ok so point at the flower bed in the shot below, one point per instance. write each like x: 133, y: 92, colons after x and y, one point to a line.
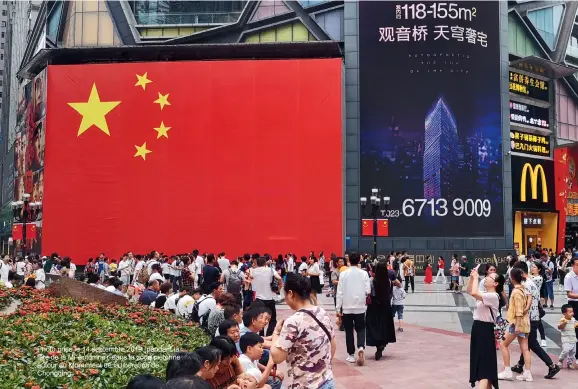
x: 60, y: 343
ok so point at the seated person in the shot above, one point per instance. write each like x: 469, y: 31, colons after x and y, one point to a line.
x: 183, y: 364
x: 252, y: 348
x: 229, y: 367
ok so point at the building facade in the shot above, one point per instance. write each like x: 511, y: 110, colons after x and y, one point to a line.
x: 455, y: 155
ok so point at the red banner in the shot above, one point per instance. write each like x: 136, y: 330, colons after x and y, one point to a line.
x: 382, y: 227
x: 30, y: 231
x: 16, y: 232
x: 367, y: 227
x: 566, y: 187
x: 173, y: 156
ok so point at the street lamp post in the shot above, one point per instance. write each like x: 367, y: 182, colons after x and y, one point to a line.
x: 376, y: 204
x: 25, y: 212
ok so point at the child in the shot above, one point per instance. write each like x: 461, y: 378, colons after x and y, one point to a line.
x: 248, y: 380
x: 397, y: 303
x: 252, y: 349
x: 566, y: 327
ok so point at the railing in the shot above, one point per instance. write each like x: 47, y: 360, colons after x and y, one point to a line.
x: 187, y: 18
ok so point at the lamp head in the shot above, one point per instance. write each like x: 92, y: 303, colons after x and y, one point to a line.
x: 386, y: 200
x: 363, y: 200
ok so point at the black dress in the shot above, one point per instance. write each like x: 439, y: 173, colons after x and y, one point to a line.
x: 379, y: 326
x: 483, y: 359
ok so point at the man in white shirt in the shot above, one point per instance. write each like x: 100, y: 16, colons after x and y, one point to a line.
x: 187, y: 302
x: 261, y: 278
x: 352, y: 291
x: 223, y: 262
x: 290, y: 263
x: 40, y: 276
x: 154, y: 259
x: 199, y: 263
x: 177, y: 267
x: 139, y: 265
x: 5, y: 269
x: 209, y: 302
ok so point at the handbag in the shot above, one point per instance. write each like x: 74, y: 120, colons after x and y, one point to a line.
x: 541, y: 310
x: 500, y: 325
x: 274, y: 283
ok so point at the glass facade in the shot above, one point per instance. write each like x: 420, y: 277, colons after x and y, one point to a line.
x: 154, y: 12
x: 89, y: 24
x: 547, y: 22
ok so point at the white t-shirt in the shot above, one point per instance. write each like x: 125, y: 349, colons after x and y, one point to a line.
x: 185, y: 306
x: 199, y: 263
x: 314, y: 269
x: 247, y: 364
x: 150, y: 266
x: 4, y: 271
x: 72, y: 270
x: 303, y: 267
x: 157, y: 276
x: 261, y: 282
x: 177, y: 264
x: 207, y: 304
x: 224, y: 263
x: 20, y: 268
x: 110, y: 288
x: 171, y: 302
x: 138, y: 268
x: 166, y: 268
x: 290, y: 265
x: 40, y: 279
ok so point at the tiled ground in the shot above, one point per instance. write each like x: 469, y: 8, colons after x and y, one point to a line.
x: 433, y: 352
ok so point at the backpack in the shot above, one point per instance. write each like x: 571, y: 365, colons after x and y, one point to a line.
x: 555, y: 272
x: 143, y: 275
x: 195, y: 314
x: 235, y: 283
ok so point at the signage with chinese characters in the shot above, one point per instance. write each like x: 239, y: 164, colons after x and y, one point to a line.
x: 531, y: 144
x: 529, y: 220
x: 528, y: 86
x: 427, y: 52
x: 533, y: 184
x: 529, y: 115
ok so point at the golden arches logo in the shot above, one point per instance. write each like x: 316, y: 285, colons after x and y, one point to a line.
x: 534, y: 171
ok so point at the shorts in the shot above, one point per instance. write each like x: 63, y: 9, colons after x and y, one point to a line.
x: 399, y: 310
x: 512, y: 331
x: 125, y: 279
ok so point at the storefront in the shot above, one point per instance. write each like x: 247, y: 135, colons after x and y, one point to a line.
x: 533, y: 202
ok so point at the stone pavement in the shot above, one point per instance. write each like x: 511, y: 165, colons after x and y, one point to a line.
x: 433, y: 350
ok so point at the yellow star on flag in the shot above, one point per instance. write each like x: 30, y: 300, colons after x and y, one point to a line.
x: 142, y: 151
x: 94, y: 112
x: 163, y: 100
x: 142, y: 81
x: 162, y: 130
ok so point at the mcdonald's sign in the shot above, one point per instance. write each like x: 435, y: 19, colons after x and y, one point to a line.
x: 534, y: 171
x: 533, y: 184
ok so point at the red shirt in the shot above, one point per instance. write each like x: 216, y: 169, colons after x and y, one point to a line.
x: 441, y: 264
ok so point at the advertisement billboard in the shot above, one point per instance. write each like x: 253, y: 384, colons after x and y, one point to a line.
x: 530, y: 144
x: 430, y: 116
x: 528, y: 86
x: 529, y: 115
x: 533, y: 184
x: 231, y: 167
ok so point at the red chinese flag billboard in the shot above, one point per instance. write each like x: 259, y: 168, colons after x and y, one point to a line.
x: 216, y: 155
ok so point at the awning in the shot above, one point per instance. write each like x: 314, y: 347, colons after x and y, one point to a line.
x: 542, y: 67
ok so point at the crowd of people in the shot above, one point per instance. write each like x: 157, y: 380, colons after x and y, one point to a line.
x: 234, y: 301
x: 530, y: 288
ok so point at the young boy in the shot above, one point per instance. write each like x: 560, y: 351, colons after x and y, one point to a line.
x: 397, y: 303
x: 567, y: 329
x: 252, y: 349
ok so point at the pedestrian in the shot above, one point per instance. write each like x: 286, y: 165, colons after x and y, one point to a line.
x: 519, y: 328
x: 262, y: 279
x: 550, y: 268
x: 441, y: 265
x: 464, y: 271
x: 352, y: 291
x: 408, y: 273
x: 305, y: 339
x: 483, y: 359
x: 571, y: 288
x: 428, y: 271
x: 398, y: 303
x: 314, y: 274
x: 533, y: 293
x: 380, y: 329
x: 568, y: 325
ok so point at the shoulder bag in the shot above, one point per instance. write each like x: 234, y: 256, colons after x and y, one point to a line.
x: 318, y: 322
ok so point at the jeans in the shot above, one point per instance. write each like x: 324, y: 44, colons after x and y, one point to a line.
x: 357, y: 321
x: 271, y: 305
x: 408, y: 280
x: 275, y: 383
x: 247, y: 298
x: 534, y: 345
x: 541, y: 330
x: 327, y: 385
x: 550, y: 289
x: 176, y: 281
x: 440, y: 273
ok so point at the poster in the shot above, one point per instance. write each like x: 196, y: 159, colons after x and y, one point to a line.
x: 430, y: 116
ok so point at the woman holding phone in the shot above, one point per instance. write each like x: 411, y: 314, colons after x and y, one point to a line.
x: 483, y: 359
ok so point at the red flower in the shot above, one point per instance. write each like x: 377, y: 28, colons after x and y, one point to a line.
x: 93, y: 371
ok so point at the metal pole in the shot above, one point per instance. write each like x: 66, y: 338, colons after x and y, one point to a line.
x: 374, y: 211
x: 24, y: 217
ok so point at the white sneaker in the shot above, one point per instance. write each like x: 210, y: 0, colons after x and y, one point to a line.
x: 350, y: 359
x: 360, y: 356
x: 543, y: 343
x: 506, y: 375
x: 527, y: 376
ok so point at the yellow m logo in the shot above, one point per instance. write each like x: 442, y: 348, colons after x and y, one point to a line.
x: 533, y: 182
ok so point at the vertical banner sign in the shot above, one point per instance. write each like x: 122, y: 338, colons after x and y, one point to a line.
x: 431, y: 115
